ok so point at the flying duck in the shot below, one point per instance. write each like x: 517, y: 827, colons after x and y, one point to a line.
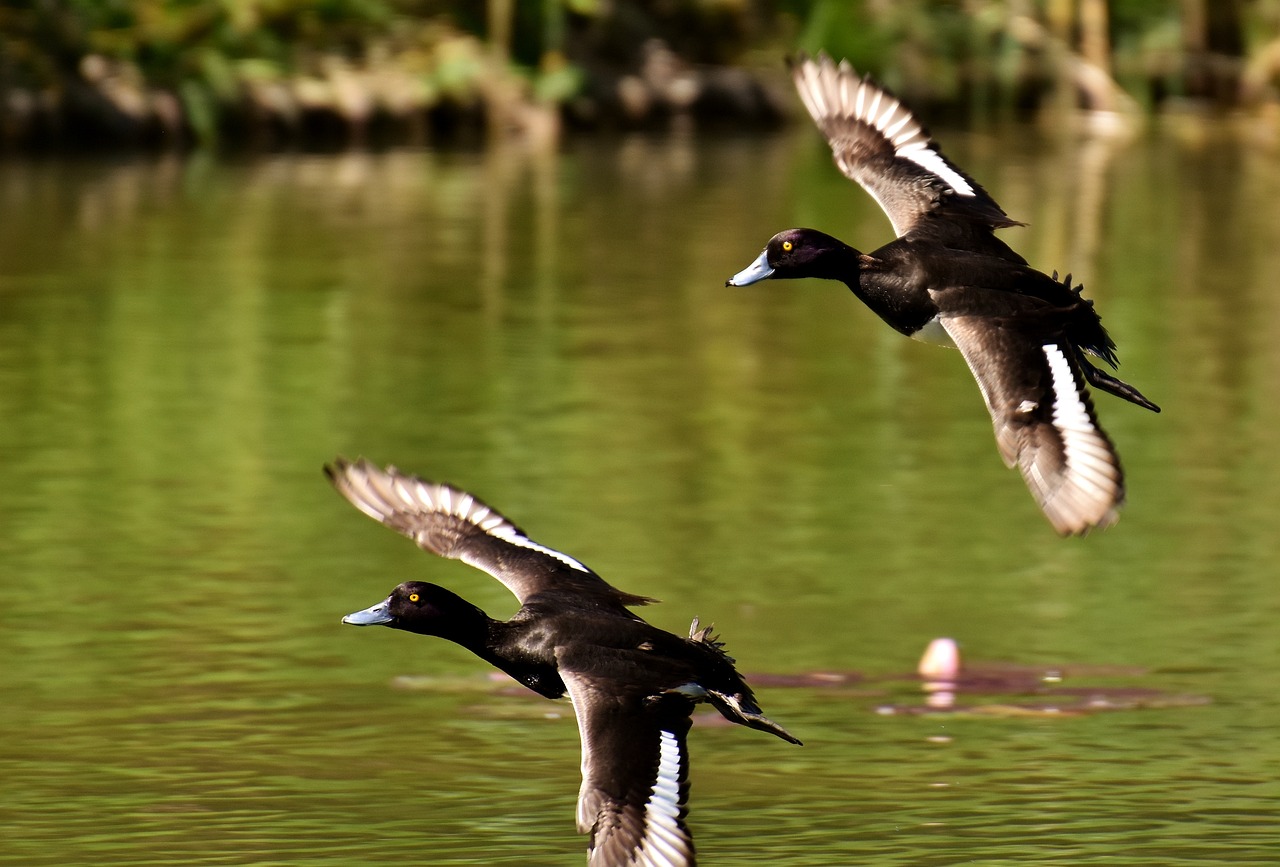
x: 633, y: 686
x: 948, y: 279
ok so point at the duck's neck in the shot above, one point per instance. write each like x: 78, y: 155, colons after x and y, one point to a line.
x: 845, y: 265
x: 893, y: 290
x: 842, y: 263
x: 502, y: 644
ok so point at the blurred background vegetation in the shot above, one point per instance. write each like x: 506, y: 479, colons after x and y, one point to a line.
x: 177, y: 73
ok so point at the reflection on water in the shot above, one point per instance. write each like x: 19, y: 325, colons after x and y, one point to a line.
x: 184, y: 343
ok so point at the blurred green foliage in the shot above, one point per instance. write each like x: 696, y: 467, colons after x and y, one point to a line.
x: 206, y: 61
x: 280, y: 58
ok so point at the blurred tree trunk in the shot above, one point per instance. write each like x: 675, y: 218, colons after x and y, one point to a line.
x: 1090, y: 67
x: 501, y: 15
x: 1095, y: 44
x: 1213, y: 41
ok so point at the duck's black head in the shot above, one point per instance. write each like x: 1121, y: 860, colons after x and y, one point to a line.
x: 800, y: 253
x: 426, y: 609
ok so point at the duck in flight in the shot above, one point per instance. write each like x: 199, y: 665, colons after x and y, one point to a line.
x: 633, y: 686
x: 1026, y: 336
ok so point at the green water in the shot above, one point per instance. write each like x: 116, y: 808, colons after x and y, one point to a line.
x: 183, y: 344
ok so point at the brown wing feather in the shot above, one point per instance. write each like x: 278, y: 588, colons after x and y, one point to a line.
x: 635, y: 774
x: 880, y: 144
x: 457, y: 525
x: 1044, y: 420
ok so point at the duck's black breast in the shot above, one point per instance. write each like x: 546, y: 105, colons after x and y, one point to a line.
x: 898, y: 296
x: 525, y: 649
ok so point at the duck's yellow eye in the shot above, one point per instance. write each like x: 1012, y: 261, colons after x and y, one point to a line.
x: 413, y: 597
x: 786, y: 246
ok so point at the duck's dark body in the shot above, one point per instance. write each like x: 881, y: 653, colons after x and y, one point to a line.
x: 900, y: 282
x: 948, y: 279
x: 521, y: 647
x: 633, y: 686
x: 530, y: 647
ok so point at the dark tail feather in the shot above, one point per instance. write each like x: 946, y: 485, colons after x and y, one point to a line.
x: 743, y: 710
x: 1111, y: 385
x: 760, y: 722
x: 734, y: 698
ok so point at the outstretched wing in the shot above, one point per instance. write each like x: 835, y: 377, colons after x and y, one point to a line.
x: 879, y: 143
x: 454, y: 524
x: 1044, y: 420
x: 635, y: 774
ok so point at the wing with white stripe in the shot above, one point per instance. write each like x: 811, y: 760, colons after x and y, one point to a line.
x: 635, y: 775
x: 454, y: 524
x: 880, y: 144
x: 1044, y: 420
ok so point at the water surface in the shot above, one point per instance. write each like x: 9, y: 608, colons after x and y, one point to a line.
x: 183, y: 343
